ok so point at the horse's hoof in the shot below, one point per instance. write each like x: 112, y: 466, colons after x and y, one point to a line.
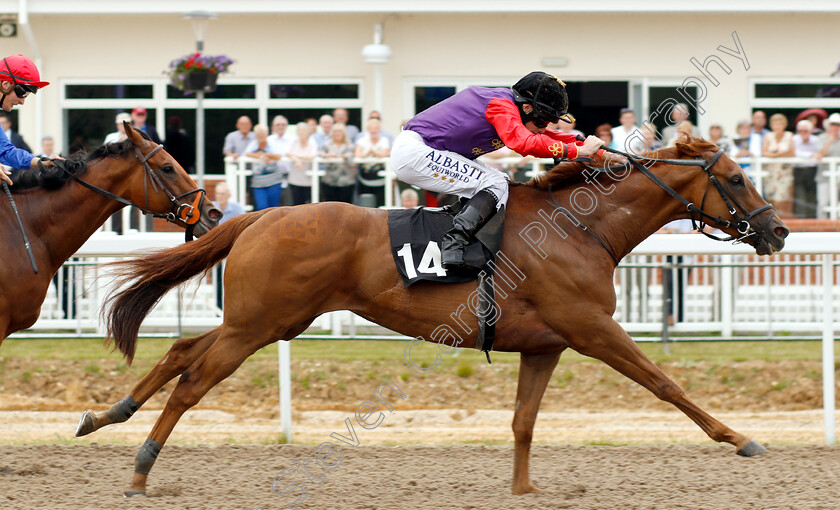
x: 751, y: 449
x: 131, y: 492
x: 85, y: 424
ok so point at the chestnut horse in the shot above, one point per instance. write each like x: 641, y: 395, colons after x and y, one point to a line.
x: 60, y: 210
x: 288, y: 265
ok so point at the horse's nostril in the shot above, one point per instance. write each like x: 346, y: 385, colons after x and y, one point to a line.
x: 781, y: 232
x: 215, y: 214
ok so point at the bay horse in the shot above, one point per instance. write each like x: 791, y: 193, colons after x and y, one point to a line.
x: 288, y: 265
x: 61, y: 208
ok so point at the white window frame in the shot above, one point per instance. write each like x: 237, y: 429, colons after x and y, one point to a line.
x: 261, y: 100
x: 794, y: 102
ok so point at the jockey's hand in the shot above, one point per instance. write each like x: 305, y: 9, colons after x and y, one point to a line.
x: 4, y: 175
x: 590, y: 146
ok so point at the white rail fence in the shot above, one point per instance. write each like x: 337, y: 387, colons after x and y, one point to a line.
x: 727, y: 289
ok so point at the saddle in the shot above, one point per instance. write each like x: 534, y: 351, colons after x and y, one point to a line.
x: 416, y: 236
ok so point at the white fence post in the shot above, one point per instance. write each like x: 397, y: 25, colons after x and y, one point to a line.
x: 828, y: 347
x: 285, y: 383
x: 727, y: 297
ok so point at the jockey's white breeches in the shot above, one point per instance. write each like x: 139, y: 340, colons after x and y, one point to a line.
x: 443, y: 171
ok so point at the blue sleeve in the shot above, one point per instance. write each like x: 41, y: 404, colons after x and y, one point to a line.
x: 11, y: 155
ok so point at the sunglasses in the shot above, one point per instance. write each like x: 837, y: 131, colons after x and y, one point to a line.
x: 24, y: 90
x: 540, y: 122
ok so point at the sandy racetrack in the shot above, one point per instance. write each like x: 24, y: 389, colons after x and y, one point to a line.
x: 579, y: 477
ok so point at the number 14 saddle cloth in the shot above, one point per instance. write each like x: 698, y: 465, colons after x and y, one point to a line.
x: 416, y: 236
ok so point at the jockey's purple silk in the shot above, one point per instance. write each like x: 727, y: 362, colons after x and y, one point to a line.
x: 459, y: 123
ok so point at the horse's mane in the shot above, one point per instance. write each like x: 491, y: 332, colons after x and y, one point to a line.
x: 570, y: 172
x: 76, y: 164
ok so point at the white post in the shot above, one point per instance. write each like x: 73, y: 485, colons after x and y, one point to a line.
x: 727, y: 301
x: 199, y: 135
x: 389, y: 183
x: 828, y: 348
x: 832, y: 190
x: 315, y: 190
x: 285, y: 383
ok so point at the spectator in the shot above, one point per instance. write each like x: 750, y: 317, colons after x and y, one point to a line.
x: 237, y: 141
x: 138, y: 119
x: 13, y: 136
x: 805, y: 145
x: 178, y: 143
x: 388, y: 136
x: 229, y: 208
x: 829, y: 142
x: 302, y: 151
x: 119, y: 134
x: 717, y: 137
x: 341, y: 116
x: 741, y: 146
x: 268, y: 177
x: 652, y: 142
x: 816, y: 116
x: 778, y: 187
x: 604, y: 132
x: 679, y: 114
x: 340, y: 179
x: 409, y: 198
x: 620, y: 133
x: 313, y: 124
x: 674, y: 280
x: 758, y: 132
x: 325, y: 125
x: 48, y: 148
x: 372, y: 145
x: 280, y: 131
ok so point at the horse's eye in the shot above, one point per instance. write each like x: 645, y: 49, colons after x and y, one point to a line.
x: 736, y: 180
x: 168, y: 169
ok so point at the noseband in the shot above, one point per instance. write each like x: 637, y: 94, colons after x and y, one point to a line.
x: 186, y: 212
x: 739, y: 213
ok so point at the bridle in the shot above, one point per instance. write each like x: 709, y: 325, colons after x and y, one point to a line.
x: 739, y: 213
x: 186, y: 212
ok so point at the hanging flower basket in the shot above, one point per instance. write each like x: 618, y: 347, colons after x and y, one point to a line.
x: 200, y: 81
x: 196, y: 72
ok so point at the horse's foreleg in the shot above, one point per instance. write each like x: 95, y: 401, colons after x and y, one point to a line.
x: 181, y: 355
x: 534, y: 373
x: 612, y: 345
x: 219, y: 361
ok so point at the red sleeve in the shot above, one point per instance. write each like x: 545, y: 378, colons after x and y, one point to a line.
x: 504, y: 116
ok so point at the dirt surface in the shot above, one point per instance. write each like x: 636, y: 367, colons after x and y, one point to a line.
x: 758, y: 386
x: 462, y: 477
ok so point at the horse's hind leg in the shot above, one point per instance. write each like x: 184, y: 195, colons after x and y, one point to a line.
x: 218, y: 362
x: 608, y: 342
x: 181, y: 355
x: 534, y: 373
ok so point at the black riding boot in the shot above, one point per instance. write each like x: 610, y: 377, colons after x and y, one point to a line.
x: 472, y: 217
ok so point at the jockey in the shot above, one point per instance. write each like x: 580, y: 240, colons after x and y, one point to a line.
x: 18, y: 78
x: 437, y: 149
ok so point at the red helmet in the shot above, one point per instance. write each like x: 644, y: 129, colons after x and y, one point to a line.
x: 21, y: 70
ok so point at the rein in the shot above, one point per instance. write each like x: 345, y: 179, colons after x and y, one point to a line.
x: 188, y: 213
x: 741, y: 224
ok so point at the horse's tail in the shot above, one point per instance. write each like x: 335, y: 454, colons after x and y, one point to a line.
x: 145, y: 280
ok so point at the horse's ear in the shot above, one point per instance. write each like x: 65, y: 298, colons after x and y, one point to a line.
x: 132, y: 135
x: 685, y: 145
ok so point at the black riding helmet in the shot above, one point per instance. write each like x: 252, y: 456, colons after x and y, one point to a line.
x: 546, y: 93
